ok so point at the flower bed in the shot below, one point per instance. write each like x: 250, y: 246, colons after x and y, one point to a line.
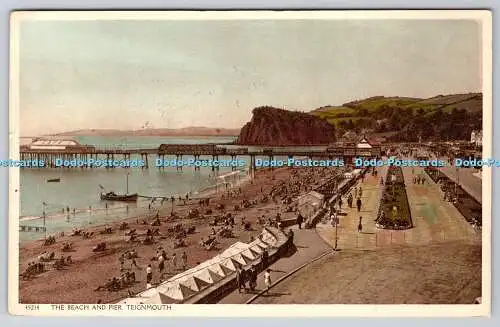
x: 468, y: 206
x: 394, y: 195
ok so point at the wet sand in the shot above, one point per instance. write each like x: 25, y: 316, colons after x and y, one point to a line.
x: 77, y: 282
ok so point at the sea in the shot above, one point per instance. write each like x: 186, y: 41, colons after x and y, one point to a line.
x: 74, y: 202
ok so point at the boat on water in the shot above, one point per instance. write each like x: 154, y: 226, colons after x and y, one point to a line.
x: 112, y: 196
x: 53, y: 180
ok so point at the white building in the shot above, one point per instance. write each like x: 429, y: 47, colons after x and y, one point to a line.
x: 477, y: 138
x: 53, y: 143
x: 364, y: 144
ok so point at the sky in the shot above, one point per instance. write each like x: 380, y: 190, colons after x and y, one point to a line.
x: 112, y: 74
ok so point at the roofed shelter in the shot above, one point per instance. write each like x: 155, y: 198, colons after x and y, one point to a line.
x: 55, y: 144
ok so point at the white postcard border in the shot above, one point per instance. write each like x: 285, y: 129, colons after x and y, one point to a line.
x: 254, y: 310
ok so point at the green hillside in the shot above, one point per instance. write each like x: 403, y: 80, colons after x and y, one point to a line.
x: 427, y: 118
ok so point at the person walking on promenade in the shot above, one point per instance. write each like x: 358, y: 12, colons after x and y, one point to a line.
x: 358, y: 204
x: 244, y: 278
x: 184, y: 259
x: 174, y: 261
x: 161, y: 264
x: 267, y: 280
x: 253, y: 278
x: 239, y: 279
x: 300, y: 220
x: 340, y: 203
x: 290, y: 238
x: 265, y: 259
x: 149, y: 276
x: 360, y: 226
x: 349, y: 200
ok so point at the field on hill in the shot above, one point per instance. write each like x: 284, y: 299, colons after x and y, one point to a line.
x: 424, y: 117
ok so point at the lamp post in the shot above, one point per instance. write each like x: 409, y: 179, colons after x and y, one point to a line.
x: 44, y: 218
x: 336, y: 230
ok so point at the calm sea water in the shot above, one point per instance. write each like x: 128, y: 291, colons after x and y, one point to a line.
x: 79, y: 189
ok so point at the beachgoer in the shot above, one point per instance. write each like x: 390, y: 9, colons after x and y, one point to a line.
x: 161, y: 264
x: 349, y: 200
x: 174, y: 261
x: 239, y: 279
x: 300, y: 219
x: 184, y: 260
x: 264, y: 259
x: 244, y: 278
x: 290, y: 237
x: 149, y: 275
x: 253, y: 278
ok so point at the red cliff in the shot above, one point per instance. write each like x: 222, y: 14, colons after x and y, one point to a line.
x: 275, y: 127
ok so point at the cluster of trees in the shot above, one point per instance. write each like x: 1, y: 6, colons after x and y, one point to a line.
x: 410, y: 124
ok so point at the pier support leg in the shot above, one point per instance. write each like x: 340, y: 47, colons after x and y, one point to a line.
x: 196, y: 158
x: 233, y: 158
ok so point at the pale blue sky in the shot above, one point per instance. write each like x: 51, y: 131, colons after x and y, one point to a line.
x: 121, y: 74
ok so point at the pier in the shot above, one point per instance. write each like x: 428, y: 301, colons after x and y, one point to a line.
x: 198, y: 151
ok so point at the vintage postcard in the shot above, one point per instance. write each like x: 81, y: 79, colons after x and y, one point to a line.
x: 305, y: 163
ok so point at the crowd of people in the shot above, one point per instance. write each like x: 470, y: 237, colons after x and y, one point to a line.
x: 229, y: 222
x: 246, y: 278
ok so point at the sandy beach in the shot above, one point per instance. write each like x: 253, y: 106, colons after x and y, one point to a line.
x: 77, y: 281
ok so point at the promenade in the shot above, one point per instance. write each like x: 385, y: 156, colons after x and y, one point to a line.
x: 435, y: 222
x: 434, y: 219
x: 308, y: 247
x: 468, y: 178
x: 436, y: 262
x: 347, y: 230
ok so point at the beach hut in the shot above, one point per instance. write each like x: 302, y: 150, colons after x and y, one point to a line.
x: 175, y: 290
x: 310, y: 203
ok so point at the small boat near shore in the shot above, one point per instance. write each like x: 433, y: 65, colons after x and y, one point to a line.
x: 53, y: 180
x: 112, y: 196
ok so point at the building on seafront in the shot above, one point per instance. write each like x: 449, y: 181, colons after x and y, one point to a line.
x: 310, y: 203
x: 53, y: 143
x: 364, y: 144
x: 476, y: 137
